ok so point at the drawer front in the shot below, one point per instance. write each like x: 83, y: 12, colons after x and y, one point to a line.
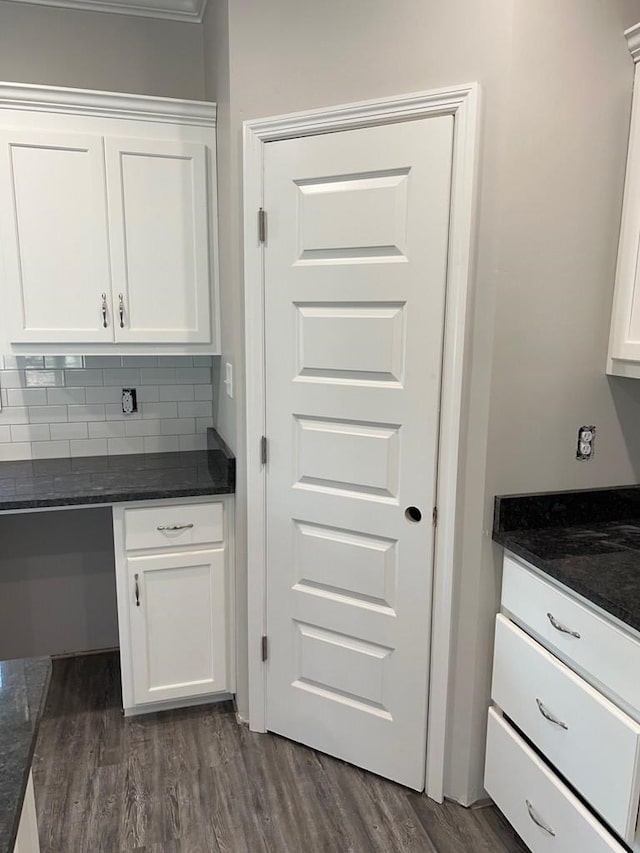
x: 171, y: 525
x: 604, y: 653
x: 561, y: 713
x: 530, y: 794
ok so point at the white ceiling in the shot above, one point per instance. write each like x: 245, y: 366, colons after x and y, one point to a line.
x: 175, y: 10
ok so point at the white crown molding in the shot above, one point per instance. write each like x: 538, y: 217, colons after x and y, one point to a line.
x: 633, y: 41
x: 174, y: 10
x: 54, y: 99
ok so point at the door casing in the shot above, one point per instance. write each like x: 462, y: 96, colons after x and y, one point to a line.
x: 462, y: 102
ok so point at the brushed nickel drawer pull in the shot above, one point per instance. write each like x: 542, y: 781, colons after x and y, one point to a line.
x: 537, y: 820
x: 549, y: 716
x: 137, y: 591
x: 562, y: 628
x: 121, y: 309
x: 104, y: 310
x: 163, y: 527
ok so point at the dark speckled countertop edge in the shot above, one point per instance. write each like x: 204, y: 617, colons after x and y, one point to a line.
x: 9, y: 823
x: 543, y: 529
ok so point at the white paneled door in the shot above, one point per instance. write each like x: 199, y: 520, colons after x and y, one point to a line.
x: 355, y: 273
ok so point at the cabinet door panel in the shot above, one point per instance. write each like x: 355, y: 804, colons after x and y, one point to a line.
x: 158, y: 212
x: 178, y: 631
x: 53, y: 231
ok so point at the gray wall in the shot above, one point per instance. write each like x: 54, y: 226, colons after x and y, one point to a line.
x: 57, y: 582
x: 556, y: 87
x: 92, y: 50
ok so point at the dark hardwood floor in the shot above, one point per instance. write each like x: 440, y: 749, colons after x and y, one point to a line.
x: 194, y: 781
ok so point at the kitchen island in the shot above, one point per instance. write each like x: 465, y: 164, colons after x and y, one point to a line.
x: 23, y: 692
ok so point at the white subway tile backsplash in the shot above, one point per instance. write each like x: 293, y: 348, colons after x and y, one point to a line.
x: 50, y: 449
x: 202, y: 392
x: 142, y: 427
x: 68, y: 431
x: 178, y: 426
x: 125, y: 376
x: 47, y: 414
x: 161, y: 444
x: 63, y: 361
x: 116, y: 446
x: 13, y: 379
x: 106, y: 429
x: 56, y: 406
x: 139, y: 361
x: 90, y: 447
x: 201, y: 409
x: 14, y: 415
x: 103, y: 361
x: 44, y: 378
x: 197, y: 375
x: 15, y: 450
x: 65, y: 396
x: 158, y: 376
x: 94, y: 412
x: 114, y: 412
x: 100, y: 394
x: 30, y: 432
x: 27, y: 397
x: 176, y: 392
x: 83, y: 377
x: 159, y: 410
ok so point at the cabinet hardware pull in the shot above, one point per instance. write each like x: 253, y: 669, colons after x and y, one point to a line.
x: 549, y: 716
x: 104, y: 310
x: 175, y: 526
x: 121, y: 309
x: 538, y: 821
x: 560, y: 627
x: 137, y: 591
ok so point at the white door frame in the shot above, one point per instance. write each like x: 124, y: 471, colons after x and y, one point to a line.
x: 461, y: 102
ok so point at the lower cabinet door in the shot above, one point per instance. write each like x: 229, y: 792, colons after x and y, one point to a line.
x: 177, y: 620
x: 542, y: 810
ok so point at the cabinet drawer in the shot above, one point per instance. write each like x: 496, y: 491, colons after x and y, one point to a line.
x: 605, y: 654
x: 529, y: 794
x: 173, y: 525
x: 529, y: 683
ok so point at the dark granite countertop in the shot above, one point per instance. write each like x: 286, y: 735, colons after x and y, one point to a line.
x: 30, y: 484
x: 589, y: 541
x: 23, y: 691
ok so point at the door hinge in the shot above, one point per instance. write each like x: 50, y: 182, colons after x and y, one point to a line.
x: 262, y: 225
x: 434, y: 515
x: 263, y: 449
x: 265, y: 648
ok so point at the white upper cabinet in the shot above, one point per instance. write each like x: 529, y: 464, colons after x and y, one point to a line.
x: 158, y: 220
x: 624, y: 342
x: 108, y: 222
x: 53, y: 233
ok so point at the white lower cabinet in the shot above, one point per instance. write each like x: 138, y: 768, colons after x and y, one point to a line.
x: 563, y: 756
x: 175, y: 600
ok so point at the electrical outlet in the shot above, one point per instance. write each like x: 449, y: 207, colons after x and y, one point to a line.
x: 228, y: 379
x: 129, y: 401
x: 586, y: 441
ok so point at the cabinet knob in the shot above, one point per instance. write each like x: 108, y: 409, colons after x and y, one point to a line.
x: 121, y: 309
x: 104, y: 310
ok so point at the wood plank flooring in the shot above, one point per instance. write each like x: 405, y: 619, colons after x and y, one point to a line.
x: 194, y: 781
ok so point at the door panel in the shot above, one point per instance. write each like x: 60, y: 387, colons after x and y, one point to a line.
x: 178, y: 629
x: 355, y: 273
x: 53, y: 229
x: 158, y: 209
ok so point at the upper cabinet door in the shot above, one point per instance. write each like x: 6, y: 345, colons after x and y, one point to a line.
x: 159, y: 230
x: 53, y: 237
